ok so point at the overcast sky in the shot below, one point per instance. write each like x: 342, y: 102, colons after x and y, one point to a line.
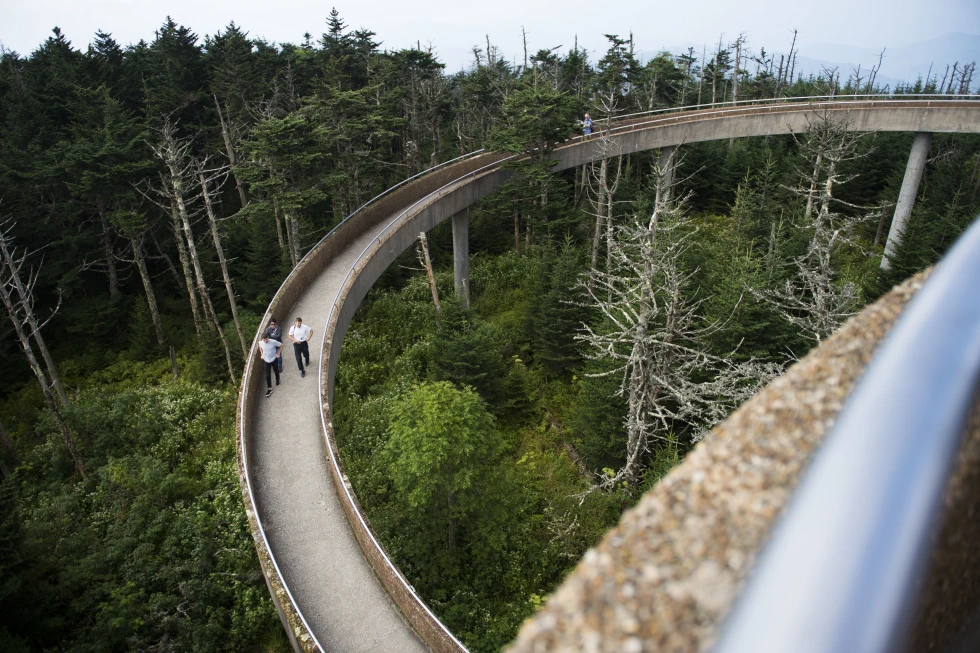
x: 454, y: 27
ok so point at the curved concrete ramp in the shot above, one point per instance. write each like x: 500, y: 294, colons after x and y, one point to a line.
x: 334, y: 586
x: 302, y: 516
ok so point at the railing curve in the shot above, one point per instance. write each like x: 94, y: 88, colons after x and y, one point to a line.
x: 840, y: 570
x: 246, y: 481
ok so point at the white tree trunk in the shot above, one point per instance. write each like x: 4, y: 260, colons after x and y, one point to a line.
x: 27, y: 304
x: 151, y: 299
x: 221, y: 260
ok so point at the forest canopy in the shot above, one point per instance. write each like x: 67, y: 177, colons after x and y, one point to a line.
x: 153, y: 196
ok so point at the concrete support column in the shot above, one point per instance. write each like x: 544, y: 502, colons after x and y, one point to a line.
x: 906, y: 196
x: 461, y: 256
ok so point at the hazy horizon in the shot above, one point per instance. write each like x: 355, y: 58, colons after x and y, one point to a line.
x: 453, y: 31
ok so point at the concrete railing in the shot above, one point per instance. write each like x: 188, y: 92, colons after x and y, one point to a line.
x: 857, y: 563
x: 424, y: 202
x: 292, y: 288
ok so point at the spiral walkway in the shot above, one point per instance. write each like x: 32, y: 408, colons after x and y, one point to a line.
x: 332, y: 583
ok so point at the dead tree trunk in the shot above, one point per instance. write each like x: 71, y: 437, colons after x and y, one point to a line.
x: 221, y: 260
x: 109, y: 254
x: 610, y: 192
x: 275, y: 214
x: 600, y: 212
x: 424, y: 247
x: 25, y: 345
x: 151, y: 300
x: 232, y: 159
x: 202, y: 288
x: 813, y: 185
x: 27, y: 304
x: 175, y: 155
x: 186, y: 267
x: 166, y: 259
x: 292, y: 225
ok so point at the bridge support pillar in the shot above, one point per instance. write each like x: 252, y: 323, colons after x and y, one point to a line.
x: 906, y: 196
x: 461, y: 256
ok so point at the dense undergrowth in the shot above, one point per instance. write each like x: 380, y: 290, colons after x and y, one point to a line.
x: 152, y: 550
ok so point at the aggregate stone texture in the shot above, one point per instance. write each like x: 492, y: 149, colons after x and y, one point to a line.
x: 665, y: 577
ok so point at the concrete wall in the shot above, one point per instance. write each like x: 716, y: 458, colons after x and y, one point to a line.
x: 723, y: 124
x: 251, y: 388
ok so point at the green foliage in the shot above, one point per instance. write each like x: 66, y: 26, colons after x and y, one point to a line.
x: 466, y: 352
x: 441, y: 446
x: 560, y: 311
x: 152, y: 552
x: 153, y: 549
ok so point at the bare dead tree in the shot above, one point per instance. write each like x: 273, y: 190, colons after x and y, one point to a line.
x: 23, y: 297
x: 739, y: 44
x: 715, y: 71
x: 815, y: 298
x: 874, y: 72
x: 207, y: 193
x: 423, y: 256
x: 599, y: 184
x: 653, y: 340
x: 952, y: 78
x: 176, y: 184
x: 16, y: 310
x: 139, y: 257
x: 791, y: 59
x: 704, y: 52
x: 108, y: 253
x: 230, y: 149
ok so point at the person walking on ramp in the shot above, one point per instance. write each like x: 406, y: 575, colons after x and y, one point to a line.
x: 300, y: 334
x: 270, y: 351
x: 274, y: 331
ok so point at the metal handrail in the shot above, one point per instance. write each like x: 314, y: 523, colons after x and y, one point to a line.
x: 842, y: 566
x: 245, y: 384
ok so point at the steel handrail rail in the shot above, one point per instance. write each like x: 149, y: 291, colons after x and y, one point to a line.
x: 247, y: 373
x: 842, y: 566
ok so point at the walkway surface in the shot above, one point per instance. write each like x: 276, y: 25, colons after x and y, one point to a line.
x: 321, y: 563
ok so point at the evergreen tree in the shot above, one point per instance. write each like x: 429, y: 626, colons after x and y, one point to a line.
x: 466, y: 352
x: 559, y: 313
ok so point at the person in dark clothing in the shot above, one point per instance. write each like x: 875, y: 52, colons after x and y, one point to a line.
x: 274, y: 332
x: 300, y: 334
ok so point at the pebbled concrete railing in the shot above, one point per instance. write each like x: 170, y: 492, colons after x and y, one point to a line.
x: 424, y: 202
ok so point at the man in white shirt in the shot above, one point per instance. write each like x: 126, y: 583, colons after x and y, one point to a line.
x: 274, y: 331
x: 300, y: 334
x: 270, y: 351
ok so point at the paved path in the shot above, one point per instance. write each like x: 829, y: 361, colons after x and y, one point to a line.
x: 321, y: 563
